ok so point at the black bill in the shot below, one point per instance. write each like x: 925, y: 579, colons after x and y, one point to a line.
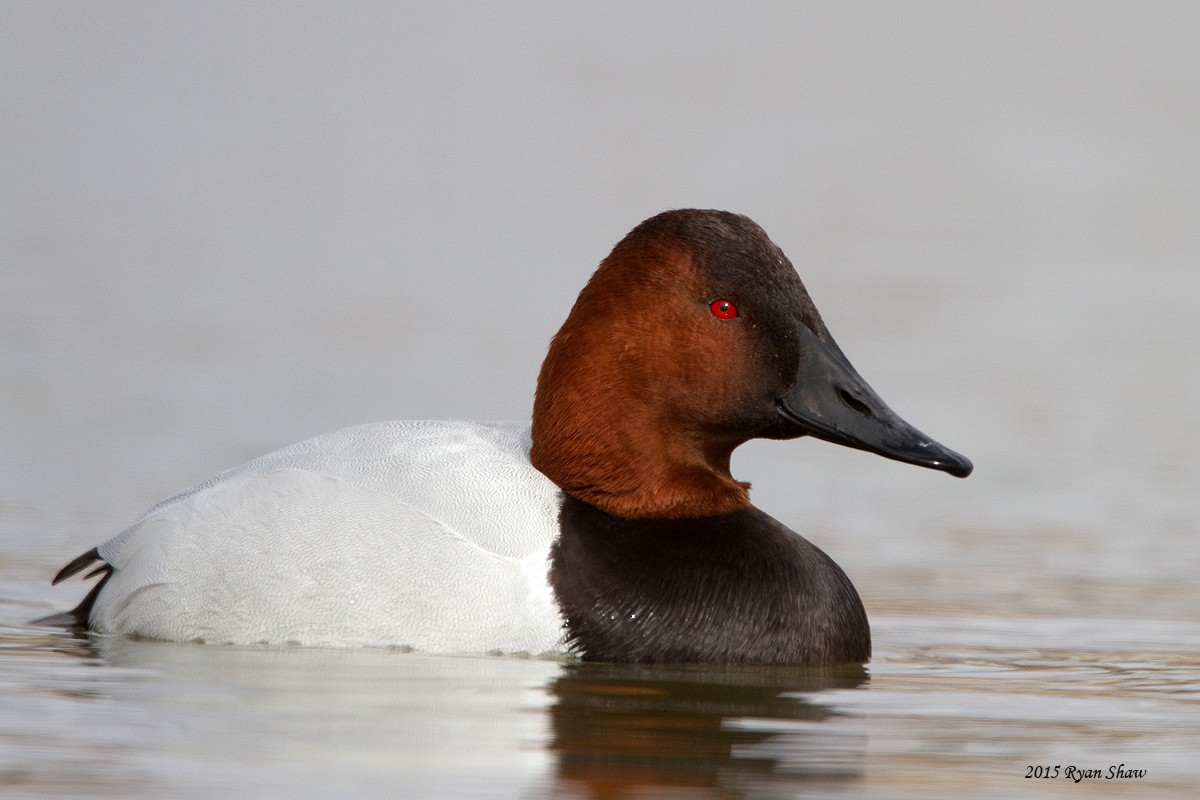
x: 831, y: 401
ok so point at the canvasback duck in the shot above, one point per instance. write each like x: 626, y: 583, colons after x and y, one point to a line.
x: 611, y: 528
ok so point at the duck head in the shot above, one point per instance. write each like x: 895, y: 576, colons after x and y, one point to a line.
x: 693, y: 336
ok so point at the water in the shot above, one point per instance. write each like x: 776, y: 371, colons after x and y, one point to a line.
x: 225, y: 229
x: 950, y: 707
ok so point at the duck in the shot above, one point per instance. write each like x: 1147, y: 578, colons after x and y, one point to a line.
x: 610, y: 528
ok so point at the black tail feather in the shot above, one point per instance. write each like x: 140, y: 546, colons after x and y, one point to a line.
x: 78, y: 565
x: 78, y: 617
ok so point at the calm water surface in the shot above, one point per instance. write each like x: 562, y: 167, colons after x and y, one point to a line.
x: 967, y: 713
x: 225, y: 228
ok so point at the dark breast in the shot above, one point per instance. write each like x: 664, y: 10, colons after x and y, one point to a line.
x: 733, y: 588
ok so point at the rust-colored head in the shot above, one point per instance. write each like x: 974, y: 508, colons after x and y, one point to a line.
x: 693, y: 336
x: 672, y: 356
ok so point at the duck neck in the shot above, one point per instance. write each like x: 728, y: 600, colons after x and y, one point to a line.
x: 630, y: 468
x: 603, y: 438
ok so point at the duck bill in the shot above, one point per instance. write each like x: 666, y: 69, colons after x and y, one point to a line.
x: 831, y: 401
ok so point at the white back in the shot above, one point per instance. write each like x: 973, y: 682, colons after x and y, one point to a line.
x: 429, y: 534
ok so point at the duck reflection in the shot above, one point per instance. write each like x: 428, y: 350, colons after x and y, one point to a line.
x: 644, y: 731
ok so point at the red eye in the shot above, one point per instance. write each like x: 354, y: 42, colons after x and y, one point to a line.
x: 723, y: 309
